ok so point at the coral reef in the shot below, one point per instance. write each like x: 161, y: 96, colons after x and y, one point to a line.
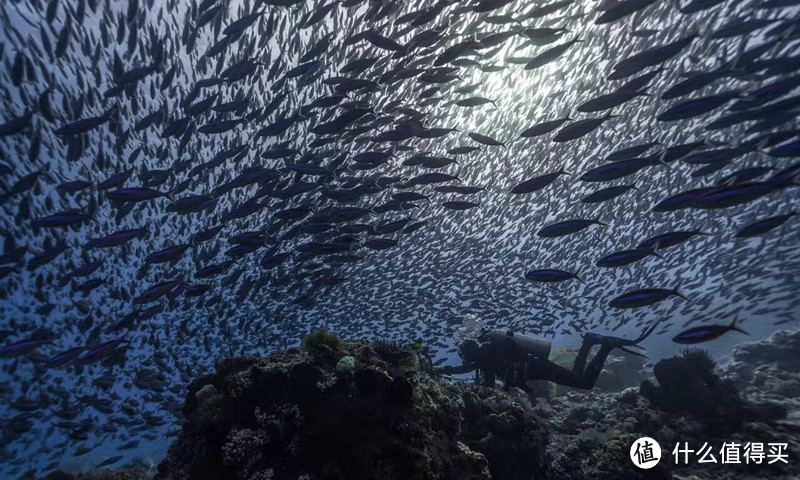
x: 357, y: 410
x: 768, y: 372
x: 336, y: 410
x: 591, y: 432
x: 689, y: 384
x: 321, y: 344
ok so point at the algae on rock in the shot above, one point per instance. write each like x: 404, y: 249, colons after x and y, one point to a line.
x: 343, y: 410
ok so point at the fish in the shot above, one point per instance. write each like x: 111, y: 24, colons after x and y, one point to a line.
x: 626, y: 257
x: 682, y: 200
x: 644, y: 297
x: 551, y: 276
x: 544, y: 127
x: 459, y: 205
x: 670, y: 239
x: 86, y: 124
x: 134, y: 194
x: 764, y: 226
x: 580, y: 128
x: 116, y: 239
x: 706, y: 333
x: 550, y: 55
x: 63, y: 219
x: 110, y: 461
x: 64, y: 358
x: 22, y: 347
x: 568, y: 227
x: 537, y: 183
x: 697, y: 106
x: 733, y: 195
x: 694, y: 82
x: 650, y: 57
x: 621, y: 10
x: 608, y: 193
x: 485, y: 140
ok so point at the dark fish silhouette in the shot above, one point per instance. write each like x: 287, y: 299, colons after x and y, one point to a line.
x: 706, y: 333
x: 537, y: 183
x: 644, y: 297
x: 551, y: 276
x: 763, y: 226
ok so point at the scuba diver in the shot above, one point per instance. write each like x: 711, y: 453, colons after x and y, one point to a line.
x: 518, y: 358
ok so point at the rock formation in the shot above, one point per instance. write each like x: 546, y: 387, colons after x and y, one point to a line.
x: 361, y: 410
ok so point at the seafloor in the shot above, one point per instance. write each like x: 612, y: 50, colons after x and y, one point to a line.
x: 335, y: 410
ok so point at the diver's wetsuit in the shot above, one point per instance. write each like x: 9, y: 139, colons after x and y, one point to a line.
x: 516, y: 368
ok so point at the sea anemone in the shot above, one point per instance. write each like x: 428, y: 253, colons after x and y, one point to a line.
x: 700, y: 358
x: 322, y: 341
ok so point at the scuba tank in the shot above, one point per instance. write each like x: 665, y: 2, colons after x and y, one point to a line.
x: 522, y: 343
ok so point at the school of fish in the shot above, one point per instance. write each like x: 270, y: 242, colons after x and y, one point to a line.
x: 183, y: 181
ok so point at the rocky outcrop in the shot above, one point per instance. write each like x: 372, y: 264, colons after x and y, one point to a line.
x: 592, y: 433
x: 591, y: 436
x: 693, y: 402
x: 688, y: 384
x: 350, y: 410
x: 768, y: 372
